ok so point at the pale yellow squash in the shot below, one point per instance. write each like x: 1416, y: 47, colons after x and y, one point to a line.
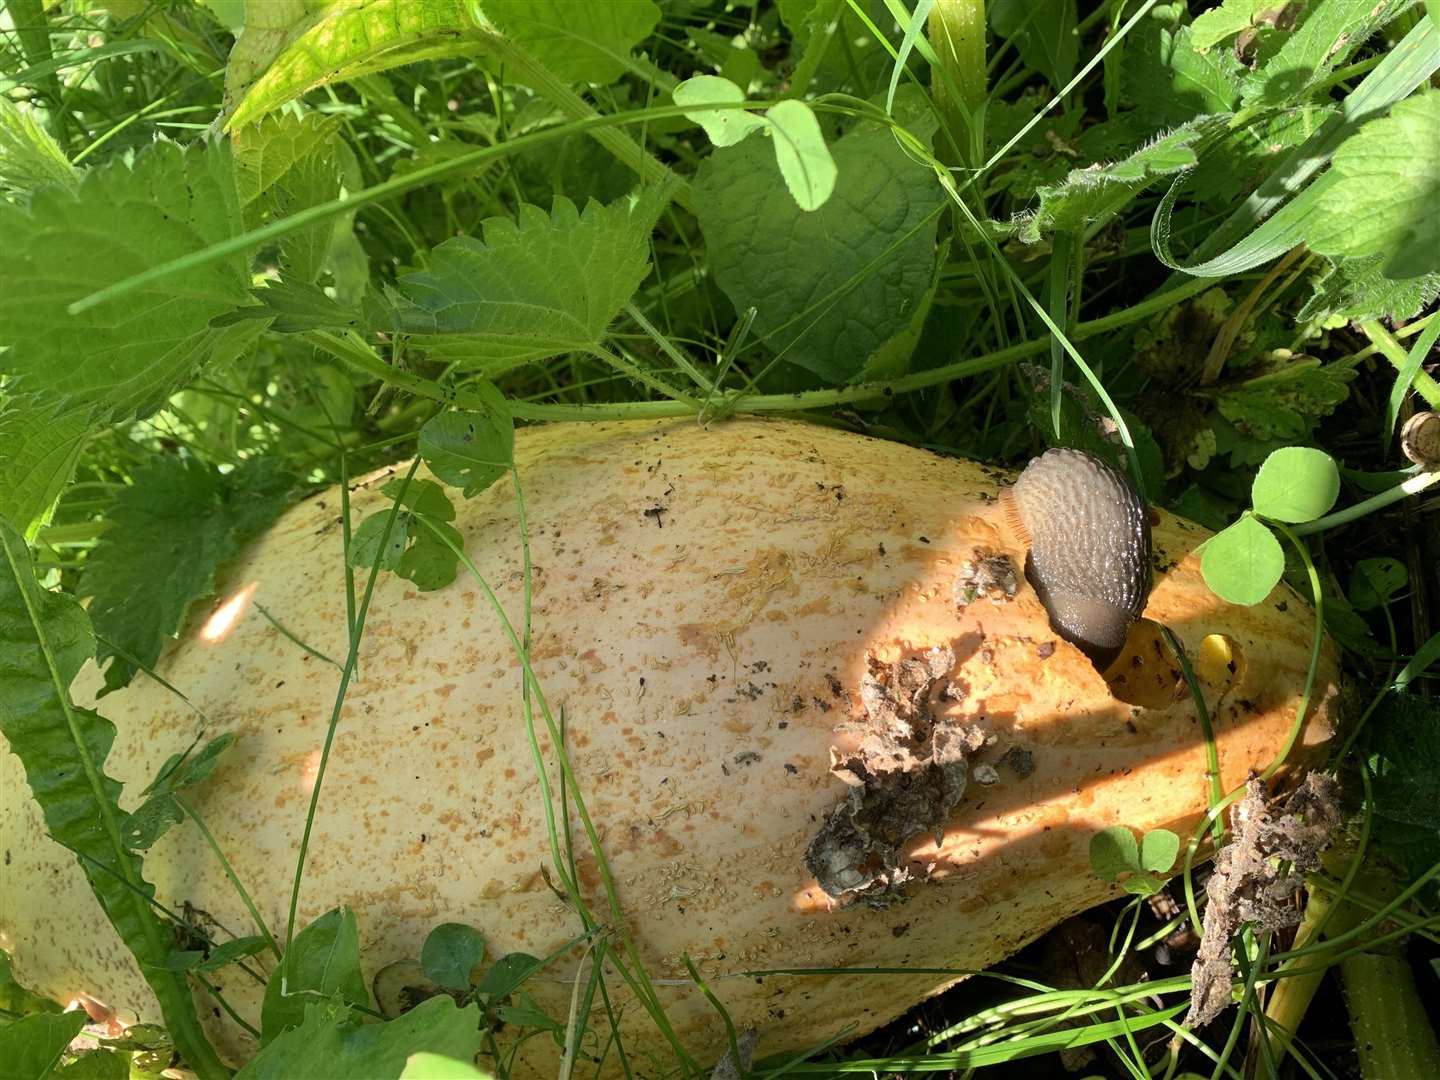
x: 707, y: 606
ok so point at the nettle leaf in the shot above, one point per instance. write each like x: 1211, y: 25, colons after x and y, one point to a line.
x: 585, y: 42
x: 1295, y: 484
x: 724, y: 127
x: 1328, y: 32
x: 1043, y: 31
x: 328, y: 1042
x: 1168, y: 82
x: 1243, y: 562
x: 29, y: 157
x: 291, y: 306
x: 833, y: 285
x: 266, y: 152
x: 343, y: 39
x: 470, y: 450
x: 451, y: 953
x: 1357, y: 289
x: 545, y: 285
x: 38, y: 453
x: 1285, y: 398
x: 322, y: 964
x: 45, y: 637
x: 1386, y: 198
x: 31, y: 1047
x: 122, y: 358
x: 1094, y: 194
x: 170, y: 531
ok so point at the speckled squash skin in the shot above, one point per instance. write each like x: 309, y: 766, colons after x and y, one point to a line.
x: 705, y: 603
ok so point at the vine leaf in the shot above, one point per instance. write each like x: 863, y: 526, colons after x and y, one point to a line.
x: 170, y: 531
x: 545, y: 285
x: 44, y: 639
x: 585, y: 42
x: 122, y: 358
x: 471, y: 450
x: 322, y: 964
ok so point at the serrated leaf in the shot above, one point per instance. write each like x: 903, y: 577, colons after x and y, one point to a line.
x: 266, y: 152
x: 470, y: 450
x: 545, y: 285
x: 1285, y: 399
x: 266, y: 29
x: 1386, y: 197
x: 30, y: 1048
x: 801, y: 154
x: 1355, y: 289
x: 322, y: 963
x: 451, y: 953
x: 344, y: 39
x: 830, y: 286
x: 29, y: 157
x: 170, y: 531
x: 38, y: 454
x: 1296, y: 484
x: 1113, y: 852
x: 122, y: 358
x: 1095, y: 194
x: 44, y: 639
x: 1329, y: 31
x: 1243, y: 562
x: 1043, y: 32
x: 580, y: 42
x: 1168, y: 82
x: 326, y: 1043
x: 291, y: 306
x: 724, y: 127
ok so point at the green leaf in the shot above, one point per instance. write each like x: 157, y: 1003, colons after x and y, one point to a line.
x: 340, y: 40
x: 1356, y: 289
x: 451, y: 953
x: 125, y: 357
x: 508, y: 974
x: 1226, y: 21
x: 1402, y: 745
x: 470, y: 450
x: 370, y: 545
x: 437, y: 1067
x: 1092, y: 195
x: 1375, y: 582
x: 1329, y: 31
x: 44, y: 639
x: 423, y: 497
x: 159, y: 811
x: 549, y: 284
x: 97, y: 1065
x: 322, y: 963
x: 266, y: 29
x: 1113, y: 852
x: 293, y: 307
x: 170, y: 531
x: 584, y: 42
x: 222, y: 955
x: 413, y: 547
x: 30, y: 1048
x: 1158, y: 850
x: 1386, y: 198
x: 328, y: 1044
x: 1169, y: 83
x: 1285, y: 398
x: 1296, y: 484
x: 29, y: 157
x: 16, y: 999
x: 1242, y: 563
x: 38, y: 454
x: 1044, y: 32
x: 266, y: 152
x: 725, y: 127
x: 800, y: 152
x: 832, y: 286
x: 429, y: 562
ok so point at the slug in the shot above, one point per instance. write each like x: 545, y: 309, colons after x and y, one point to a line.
x: 1088, y: 531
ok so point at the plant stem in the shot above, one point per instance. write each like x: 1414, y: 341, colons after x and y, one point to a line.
x: 957, y: 33
x: 1393, y: 351
x: 1413, y: 486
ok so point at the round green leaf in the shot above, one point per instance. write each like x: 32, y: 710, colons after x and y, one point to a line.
x: 470, y: 450
x: 801, y: 153
x: 726, y: 127
x: 1243, y: 563
x: 1113, y: 852
x: 1296, y: 484
x: 1375, y: 583
x: 450, y: 953
x: 1158, y: 850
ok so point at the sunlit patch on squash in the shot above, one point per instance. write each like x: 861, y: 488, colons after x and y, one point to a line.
x: 1146, y: 673
x: 227, y: 615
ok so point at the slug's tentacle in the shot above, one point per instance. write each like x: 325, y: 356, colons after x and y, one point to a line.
x: 1089, y: 536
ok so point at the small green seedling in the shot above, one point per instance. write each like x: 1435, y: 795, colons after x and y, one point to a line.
x: 1114, y: 852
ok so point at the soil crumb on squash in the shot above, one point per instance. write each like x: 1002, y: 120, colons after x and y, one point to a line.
x: 986, y: 575
x: 1247, y: 885
x: 906, y: 773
